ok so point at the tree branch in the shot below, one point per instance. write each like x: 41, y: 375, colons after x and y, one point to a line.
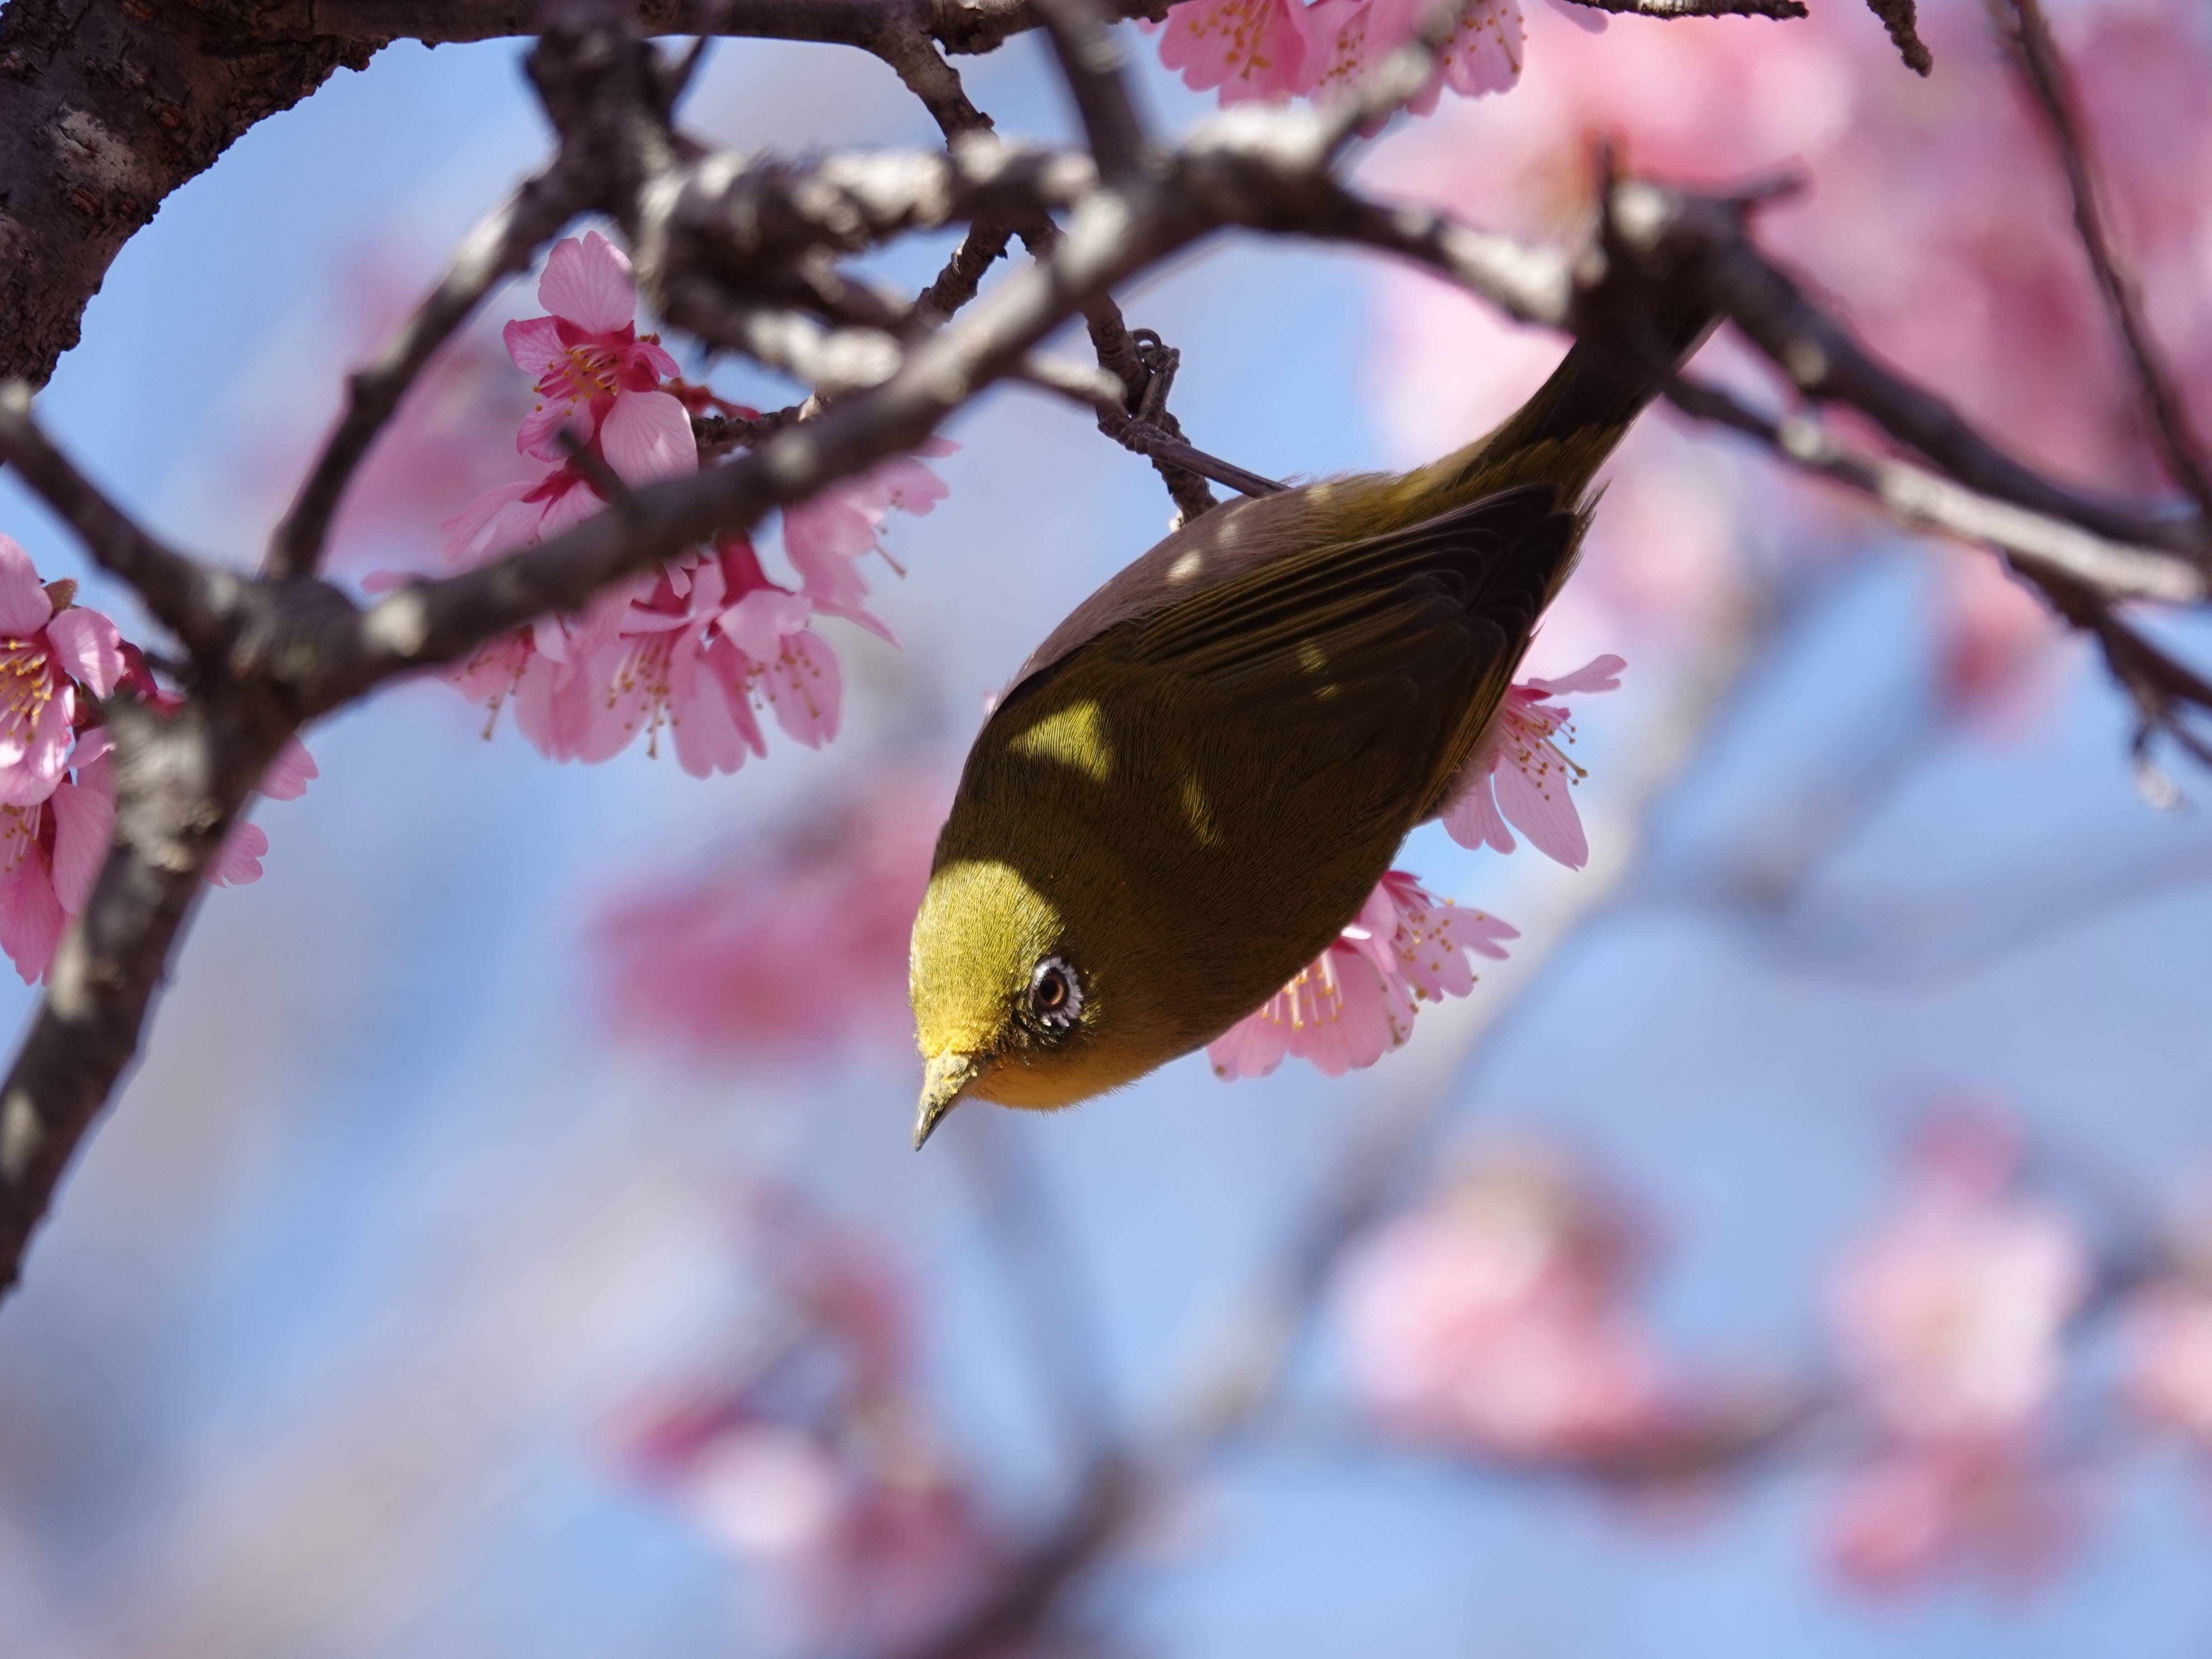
x: 505, y: 243
x: 2035, y: 54
x: 191, y: 600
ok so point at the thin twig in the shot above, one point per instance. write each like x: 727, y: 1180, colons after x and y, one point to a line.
x: 504, y: 243
x: 186, y: 597
x: 2036, y: 55
x: 1924, y: 499
x: 1777, y: 10
x: 1901, y: 18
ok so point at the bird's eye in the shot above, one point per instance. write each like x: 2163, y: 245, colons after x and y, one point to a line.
x: 1055, y: 995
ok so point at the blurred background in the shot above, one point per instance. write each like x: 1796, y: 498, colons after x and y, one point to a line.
x: 1797, y: 1246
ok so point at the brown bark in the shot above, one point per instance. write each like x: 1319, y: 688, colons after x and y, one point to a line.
x: 105, y: 108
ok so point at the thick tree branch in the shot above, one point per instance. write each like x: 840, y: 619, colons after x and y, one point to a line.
x: 106, y: 106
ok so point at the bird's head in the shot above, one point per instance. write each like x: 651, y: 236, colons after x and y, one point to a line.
x: 1006, y: 1006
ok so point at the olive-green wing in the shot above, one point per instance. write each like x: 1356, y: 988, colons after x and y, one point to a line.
x: 1413, y: 634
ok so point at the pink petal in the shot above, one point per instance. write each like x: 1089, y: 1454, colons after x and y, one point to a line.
x: 89, y: 647
x: 540, y: 435
x: 1540, y: 807
x: 1598, y: 674
x: 31, y: 776
x: 1255, y: 1045
x: 24, y: 606
x: 764, y: 619
x: 1249, y: 48
x: 588, y: 282
x: 1473, y: 819
x: 84, y: 825
x: 1583, y: 18
x: 31, y: 918
x: 535, y: 344
x: 714, y: 728
x: 574, y: 504
x: 648, y: 435
x: 474, y: 532
x: 803, y: 685
x: 290, y: 773
x: 238, y: 861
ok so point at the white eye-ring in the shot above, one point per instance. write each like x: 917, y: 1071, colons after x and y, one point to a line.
x: 1055, y: 998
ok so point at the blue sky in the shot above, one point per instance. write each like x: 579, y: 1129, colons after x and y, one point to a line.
x: 321, y: 1352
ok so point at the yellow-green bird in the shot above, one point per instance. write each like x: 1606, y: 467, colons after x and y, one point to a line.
x: 1198, y: 779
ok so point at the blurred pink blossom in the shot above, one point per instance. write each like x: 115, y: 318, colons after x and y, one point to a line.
x: 810, y: 1459
x: 796, y: 947
x: 1521, y: 774
x: 2167, y: 1357
x: 1494, y: 1318
x: 1274, y: 48
x: 1357, y: 1001
x: 1950, y: 1313
x: 1917, y: 1512
x: 46, y: 654
x: 1982, y: 293
x: 1950, y: 1310
x: 1346, y: 40
x: 1248, y: 48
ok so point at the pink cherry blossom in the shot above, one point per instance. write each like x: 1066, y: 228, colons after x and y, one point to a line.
x: 1950, y: 1310
x: 596, y: 379
x: 788, y: 949
x: 51, y: 853
x: 1520, y: 775
x: 811, y: 1460
x: 1248, y: 48
x: 1914, y: 1513
x: 2167, y: 1358
x: 1493, y: 1318
x: 1346, y: 39
x: 45, y: 656
x: 826, y: 536
x: 1357, y: 1001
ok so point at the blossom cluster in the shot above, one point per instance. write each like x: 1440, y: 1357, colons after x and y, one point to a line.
x: 1496, y: 1320
x: 1357, y: 1001
x: 1313, y: 48
x: 58, y: 660
x: 810, y: 1459
x: 707, y: 644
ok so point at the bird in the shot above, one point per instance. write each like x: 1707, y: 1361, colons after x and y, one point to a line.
x: 1199, y: 777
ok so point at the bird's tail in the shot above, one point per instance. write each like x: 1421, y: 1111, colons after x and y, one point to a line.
x: 1564, y: 433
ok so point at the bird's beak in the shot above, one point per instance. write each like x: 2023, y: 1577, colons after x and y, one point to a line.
x: 946, y: 1078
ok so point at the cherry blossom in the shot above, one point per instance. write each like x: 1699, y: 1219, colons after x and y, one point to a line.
x: 1248, y: 48
x: 48, y: 652
x: 811, y: 1462
x: 1950, y: 1314
x: 597, y: 380
x: 1346, y: 39
x: 1950, y: 1310
x: 1358, y: 1000
x: 1520, y: 775
x: 1273, y: 48
x: 2167, y: 1358
x: 50, y: 854
x: 1493, y: 1318
x: 787, y: 948
x: 1914, y: 1513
